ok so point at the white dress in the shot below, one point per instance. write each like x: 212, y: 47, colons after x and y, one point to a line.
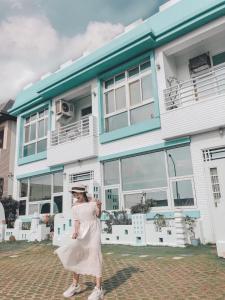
x: 83, y: 254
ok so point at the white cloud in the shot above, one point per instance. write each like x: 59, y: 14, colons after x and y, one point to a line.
x: 30, y: 46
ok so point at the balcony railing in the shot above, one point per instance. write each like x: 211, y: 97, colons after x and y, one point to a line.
x: 199, y: 88
x: 83, y: 127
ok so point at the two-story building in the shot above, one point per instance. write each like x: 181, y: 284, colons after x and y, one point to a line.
x: 140, y: 118
x: 7, y: 149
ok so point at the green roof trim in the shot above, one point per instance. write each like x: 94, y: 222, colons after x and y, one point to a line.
x: 159, y: 29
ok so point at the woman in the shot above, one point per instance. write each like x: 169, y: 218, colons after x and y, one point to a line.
x: 83, y: 254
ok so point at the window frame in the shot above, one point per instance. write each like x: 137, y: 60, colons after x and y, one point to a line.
x: 36, y: 121
x: 126, y: 83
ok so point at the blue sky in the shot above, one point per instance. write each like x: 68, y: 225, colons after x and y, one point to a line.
x: 38, y: 35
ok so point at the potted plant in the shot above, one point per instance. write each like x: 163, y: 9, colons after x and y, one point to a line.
x: 190, y: 225
x: 159, y: 222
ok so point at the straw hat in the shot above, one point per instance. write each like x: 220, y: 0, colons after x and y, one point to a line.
x: 78, y: 188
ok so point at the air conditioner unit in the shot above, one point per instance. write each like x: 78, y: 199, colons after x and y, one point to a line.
x: 64, y: 108
x: 199, y: 64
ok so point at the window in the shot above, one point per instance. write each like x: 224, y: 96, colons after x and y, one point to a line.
x: 44, y: 194
x: 35, y: 133
x: 158, y: 197
x: 179, y: 161
x: 128, y: 97
x: 183, y: 192
x: 145, y: 177
x: 40, y: 188
x: 1, y: 138
x: 81, y: 176
x: 57, y: 205
x: 86, y: 111
x: 22, y: 207
x: 111, y: 172
x: 58, y: 182
x: 112, y: 199
x: 23, y: 188
x: 213, y: 153
x: 144, y: 171
x: 215, y: 184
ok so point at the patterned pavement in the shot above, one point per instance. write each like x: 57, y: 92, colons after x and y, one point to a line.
x: 130, y: 273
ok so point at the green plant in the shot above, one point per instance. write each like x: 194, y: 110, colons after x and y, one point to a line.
x: 142, y: 208
x: 115, y: 218
x: 159, y: 222
x: 190, y: 225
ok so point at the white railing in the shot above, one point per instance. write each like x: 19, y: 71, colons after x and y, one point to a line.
x: 70, y: 132
x: 202, y: 87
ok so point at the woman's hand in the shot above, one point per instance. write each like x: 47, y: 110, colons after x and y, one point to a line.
x: 75, y: 235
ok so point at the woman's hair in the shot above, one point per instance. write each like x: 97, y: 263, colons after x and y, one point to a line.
x: 85, y: 197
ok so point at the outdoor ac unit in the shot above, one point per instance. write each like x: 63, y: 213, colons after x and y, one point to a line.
x: 199, y: 63
x: 63, y: 108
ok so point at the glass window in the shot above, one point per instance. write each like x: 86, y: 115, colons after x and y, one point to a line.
x: 41, y: 128
x: 41, y: 145
x: 144, y: 171
x: 183, y: 193
x: 1, y: 186
x: 133, y: 71
x: 132, y: 199
x: 120, y: 77
x: 29, y: 149
x: 45, y: 208
x: 144, y: 66
x: 40, y: 188
x: 32, y: 131
x: 142, y: 113
x: 135, y: 93
x: 27, y: 134
x: 179, y: 161
x: 120, y: 98
x: 122, y: 92
x: 112, y: 199
x: 109, y: 101
x: 22, y: 207
x: 58, y: 182
x: 35, y: 133
x: 215, y: 184
x: 159, y: 198
x: 23, y: 187
x: 116, y: 122
x: 146, y: 85
x: 111, y: 172
x: 1, y: 138
x: 57, y: 206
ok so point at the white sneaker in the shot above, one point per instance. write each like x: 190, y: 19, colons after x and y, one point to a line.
x: 97, y: 294
x: 72, y: 290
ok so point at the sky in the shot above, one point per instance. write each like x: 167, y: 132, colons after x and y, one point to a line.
x: 36, y: 36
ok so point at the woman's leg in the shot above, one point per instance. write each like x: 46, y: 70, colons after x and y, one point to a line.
x: 75, y: 278
x: 98, y: 282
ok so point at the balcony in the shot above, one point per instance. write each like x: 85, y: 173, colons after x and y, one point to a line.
x: 76, y: 141
x: 196, y: 105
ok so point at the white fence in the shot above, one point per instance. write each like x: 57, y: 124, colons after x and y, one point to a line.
x: 202, y: 87
x: 72, y: 131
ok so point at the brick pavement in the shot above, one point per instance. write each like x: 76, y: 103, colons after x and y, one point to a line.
x: 34, y: 272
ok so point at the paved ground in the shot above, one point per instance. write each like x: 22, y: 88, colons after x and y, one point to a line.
x: 32, y: 271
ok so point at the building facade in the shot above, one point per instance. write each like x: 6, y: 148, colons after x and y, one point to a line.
x: 139, y: 119
x: 7, y: 149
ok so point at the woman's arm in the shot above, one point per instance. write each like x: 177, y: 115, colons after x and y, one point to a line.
x: 98, y: 208
x: 76, y: 229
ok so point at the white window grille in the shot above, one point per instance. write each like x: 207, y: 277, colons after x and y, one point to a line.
x: 215, y: 184
x: 213, y: 153
x: 89, y: 175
